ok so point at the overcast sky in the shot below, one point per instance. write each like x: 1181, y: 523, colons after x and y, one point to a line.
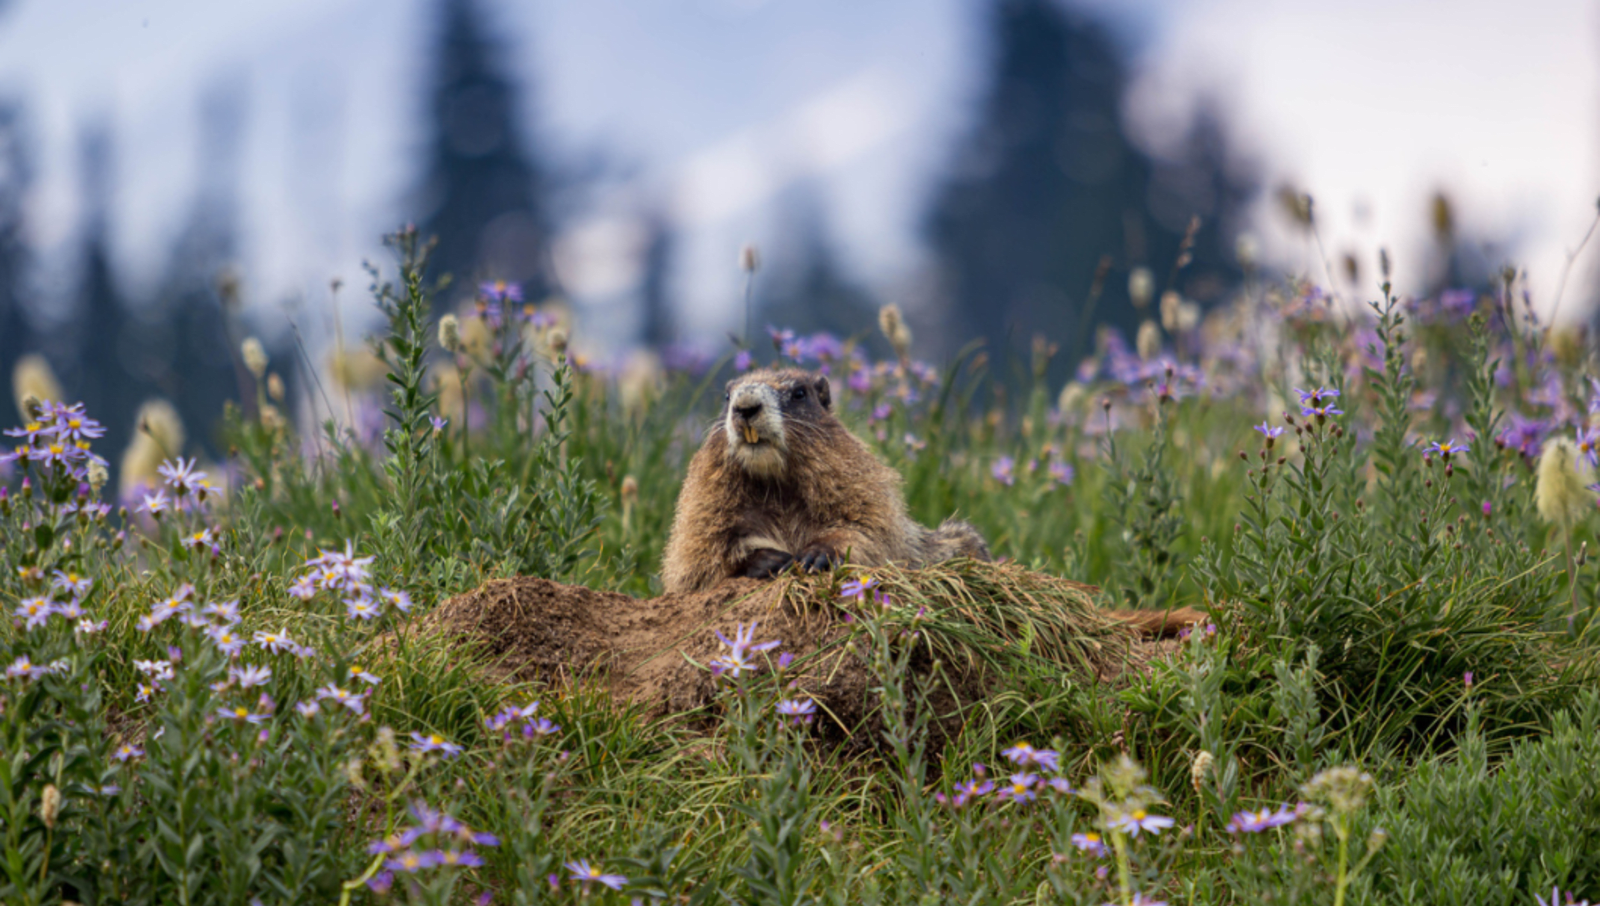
x: 712, y: 107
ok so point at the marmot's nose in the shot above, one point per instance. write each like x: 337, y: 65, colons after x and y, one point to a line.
x: 748, y: 412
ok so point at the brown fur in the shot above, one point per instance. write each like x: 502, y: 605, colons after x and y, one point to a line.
x: 830, y: 498
x: 1160, y: 623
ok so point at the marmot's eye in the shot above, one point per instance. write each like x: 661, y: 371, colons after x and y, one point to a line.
x: 799, y: 393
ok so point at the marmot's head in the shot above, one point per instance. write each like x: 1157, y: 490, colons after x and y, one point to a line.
x: 769, y: 412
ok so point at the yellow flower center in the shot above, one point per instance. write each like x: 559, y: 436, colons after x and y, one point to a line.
x: 1139, y: 815
x: 241, y: 713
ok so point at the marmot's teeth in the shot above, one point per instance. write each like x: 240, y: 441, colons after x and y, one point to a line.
x: 750, y: 434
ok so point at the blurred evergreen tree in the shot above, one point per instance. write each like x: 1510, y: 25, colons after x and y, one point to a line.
x: 186, y: 344
x: 99, y: 376
x: 16, y: 174
x: 1049, y: 181
x: 481, y: 196
x: 809, y: 289
x: 657, y: 322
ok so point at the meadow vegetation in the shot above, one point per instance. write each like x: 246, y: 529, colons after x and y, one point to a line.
x: 218, y: 688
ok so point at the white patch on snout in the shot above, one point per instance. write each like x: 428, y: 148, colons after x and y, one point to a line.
x: 757, y: 443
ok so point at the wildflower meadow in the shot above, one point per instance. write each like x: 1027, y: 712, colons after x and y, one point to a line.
x: 223, y: 686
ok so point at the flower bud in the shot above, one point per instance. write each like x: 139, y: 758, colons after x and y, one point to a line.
x: 275, y: 387
x: 749, y: 258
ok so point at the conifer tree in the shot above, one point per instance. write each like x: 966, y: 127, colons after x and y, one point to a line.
x: 481, y: 194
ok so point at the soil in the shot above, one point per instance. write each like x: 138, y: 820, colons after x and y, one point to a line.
x: 654, y: 651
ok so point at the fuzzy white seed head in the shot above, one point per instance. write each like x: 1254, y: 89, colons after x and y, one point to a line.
x: 450, y: 333
x: 1170, y: 303
x: 1246, y: 249
x: 1561, y: 493
x: 1198, y: 770
x: 97, y: 475
x: 160, y: 421
x: 33, y: 379
x: 1072, y: 397
x: 1149, y: 341
x: 1141, y: 286
x: 275, y: 388
x: 895, y: 330
x: 254, y: 355
x: 49, y: 805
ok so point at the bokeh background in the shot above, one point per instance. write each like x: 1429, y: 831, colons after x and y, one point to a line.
x: 176, y: 175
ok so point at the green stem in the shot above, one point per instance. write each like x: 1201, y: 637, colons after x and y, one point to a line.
x: 1120, y: 844
x: 1343, y: 830
x: 1572, y: 573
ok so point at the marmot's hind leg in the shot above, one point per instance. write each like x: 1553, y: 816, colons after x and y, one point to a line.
x: 955, y: 539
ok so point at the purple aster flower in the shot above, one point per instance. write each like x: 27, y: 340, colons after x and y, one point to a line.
x: 250, y: 677
x: 182, y: 476
x: 1026, y: 756
x: 1062, y: 472
x: 34, y: 612
x: 1449, y: 448
x: 399, y: 600
x: 585, y: 873
x: 540, y: 727
x: 127, y: 751
x: 1004, y: 471
x: 1090, y: 843
x: 1020, y: 787
x: 360, y: 608
x: 858, y: 588
x: 1268, y: 431
x: 968, y: 790
x: 433, y: 742
x: 500, y: 291
x: 330, y: 692
x: 465, y: 858
x: 411, y: 862
x: 1256, y: 822
x: 1139, y: 820
x: 275, y: 642
x: 241, y: 714
x: 226, y: 641
x: 72, y: 583
x: 801, y: 711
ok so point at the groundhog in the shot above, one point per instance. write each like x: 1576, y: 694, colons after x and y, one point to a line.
x: 780, y: 481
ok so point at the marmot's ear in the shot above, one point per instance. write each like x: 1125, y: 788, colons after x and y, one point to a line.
x: 824, y: 393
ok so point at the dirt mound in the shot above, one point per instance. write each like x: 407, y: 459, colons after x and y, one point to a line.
x: 653, y: 651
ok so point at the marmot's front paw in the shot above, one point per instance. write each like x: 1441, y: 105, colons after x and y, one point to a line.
x: 818, y: 559
x: 766, y: 563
